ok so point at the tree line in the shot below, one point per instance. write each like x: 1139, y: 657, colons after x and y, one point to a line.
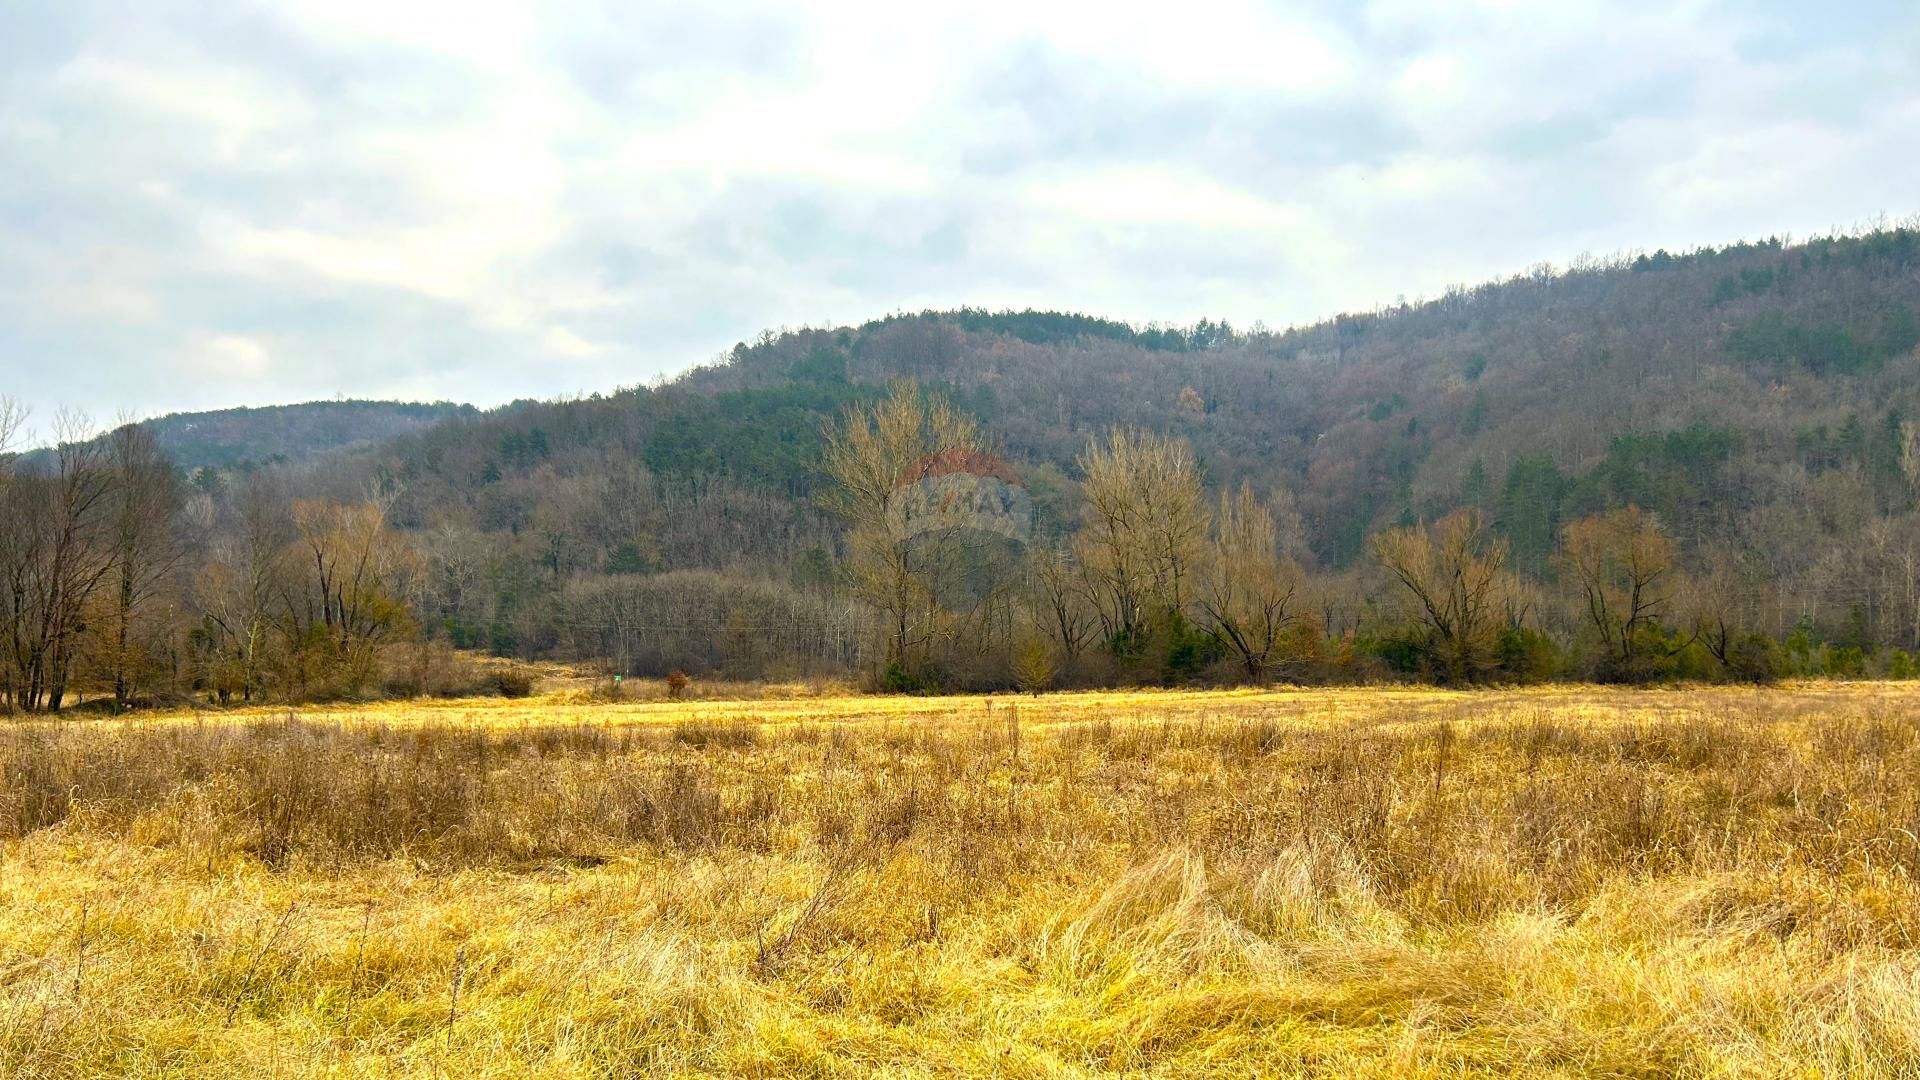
x: 1161, y: 582
x: 126, y: 582
x: 120, y: 581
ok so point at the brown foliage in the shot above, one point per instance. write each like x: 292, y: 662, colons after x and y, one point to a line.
x: 1453, y: 576
x: 1624, y: 567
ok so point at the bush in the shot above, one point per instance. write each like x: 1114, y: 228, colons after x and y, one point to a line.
x: 1694, y: 663
x: 1660, y: 655
x: 1033, y: 666
x: 1166, y: 649
x: 897, y: 678
x: 1900, y: 665
x: 1754, y: 658
x: 1634, y: 670
x: 1526, y: 655
x: 513, y: 682
x: 1403, y: 653
x: 1186, y: 650
x: 1847, y: 661
x: 431, y: 669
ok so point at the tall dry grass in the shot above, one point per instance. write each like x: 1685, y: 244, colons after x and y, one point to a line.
x: 1718, y: 884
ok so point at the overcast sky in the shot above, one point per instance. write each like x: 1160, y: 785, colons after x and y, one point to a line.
x: 208, y: 204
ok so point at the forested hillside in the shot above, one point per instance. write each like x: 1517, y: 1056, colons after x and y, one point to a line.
x: 1756, y: 398
x: 245, y: 438
x: 1756, y: 403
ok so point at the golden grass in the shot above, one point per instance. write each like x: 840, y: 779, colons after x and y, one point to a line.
x: 646, y: 702
x: 1565, y: 882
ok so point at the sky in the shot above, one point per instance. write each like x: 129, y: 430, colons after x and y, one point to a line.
x: 207, y: 204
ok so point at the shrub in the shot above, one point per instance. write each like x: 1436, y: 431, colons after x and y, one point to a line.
x: 1846, y: 661
x: 1403, y: 653
x: 1754, y: 658
x: 513, y: 682
x: 1900, y: 665
x: 1527, y: 655
x: 1033, y: 666
x: 1187, y: 650
x: 898, y: 678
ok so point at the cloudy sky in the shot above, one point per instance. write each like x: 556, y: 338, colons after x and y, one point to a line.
x: 206, y: 204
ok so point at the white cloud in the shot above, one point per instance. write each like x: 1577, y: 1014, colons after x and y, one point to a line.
x: 561, y: 341
x: 488, y: 34
x: 1213, y: 45
x: 1143, y: 194
x: 231, y: 356
x: 466, y: 200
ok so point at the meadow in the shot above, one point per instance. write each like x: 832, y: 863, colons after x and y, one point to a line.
x: 1555, y: 882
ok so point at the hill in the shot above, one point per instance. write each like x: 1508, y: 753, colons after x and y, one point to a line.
x: 244, y: 438
x: 1755, y: 397
x: 1752, y: 402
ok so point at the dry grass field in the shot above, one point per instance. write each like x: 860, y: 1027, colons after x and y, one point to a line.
x: 1317, y: 883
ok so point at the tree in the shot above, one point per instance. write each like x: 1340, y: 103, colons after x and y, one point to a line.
x: 12, y: 528
x: 1059, y: 604
x: 1289, y: 527
x: 1909, y: 448
x: 1453, y: 575
x: 58, y: 553
x: 1247, y: 590
x: 1143, y: 530
x: 1723, y: 605
x: 146, y: 550
x: 13, y: 422
x: 350, y: 602
x: 702, y: 622
x: 865, y: 455
x: 1623, y: 568
x: 1033, y: 666
x: 1529, y: 510
x: 235, y: 591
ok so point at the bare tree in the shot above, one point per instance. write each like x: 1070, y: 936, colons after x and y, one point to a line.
x: 699, y: 620
x: 457, y: 557
x: 1290, y: 529
x: 13, y: 423
x: 59, y: 552
x: 866, y: 455
x: 1059, y: 603
x: 235, y: 593
x: 1724, y: 605
x: 1248, y: 590
x: 1623, y: 566
x: 146, y: 550
x: 350, y: 598
x: 1143, y: 529
x: 13, y: 527
x: 1910, y: 454
x: 1454, y: 576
